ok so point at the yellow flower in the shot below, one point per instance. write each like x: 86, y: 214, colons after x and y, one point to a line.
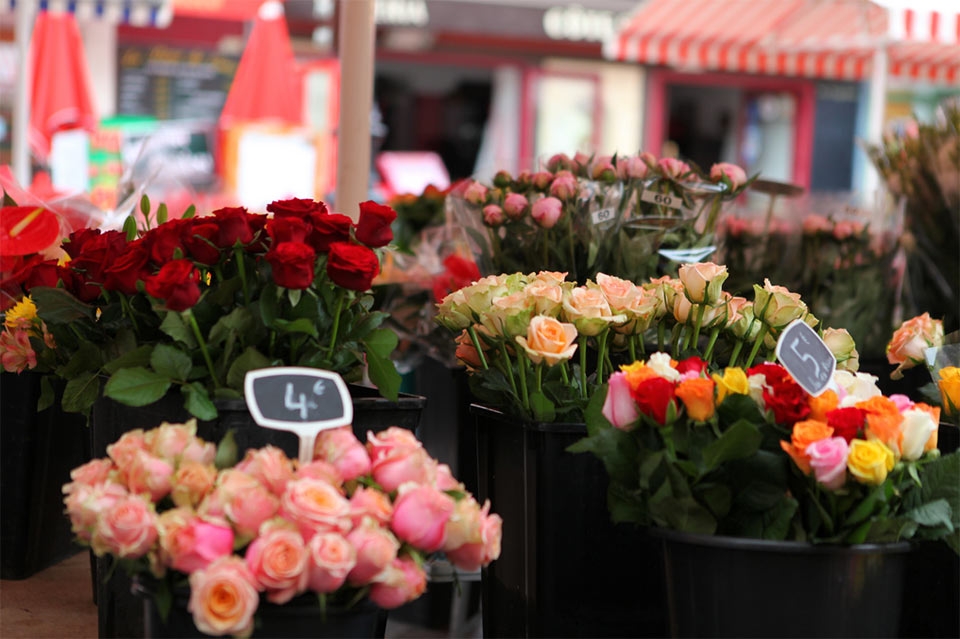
x: 949, y: 384
x: 870, y: 461
x: 733, y: 382
x: 21, y: 315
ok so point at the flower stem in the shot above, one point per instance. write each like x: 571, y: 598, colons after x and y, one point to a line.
x: 601, y: 355
x: 563, y: 373
x: 472, y: 332
x: 582, y: 339
x: 661, y: 335
x: 632, y: 346
x: 508, y: 365
x: 203, y: 346
x: 341, y: 294
x: 756, y: 345
x: 524, y: 396
x: 238, y: 254
x: 736, y: 352
x: 699, y: 320
x: 714, y: 334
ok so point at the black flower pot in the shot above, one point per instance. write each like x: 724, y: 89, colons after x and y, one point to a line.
x: 37, y: 452
x: 564, y: 570
x: 736, y: 587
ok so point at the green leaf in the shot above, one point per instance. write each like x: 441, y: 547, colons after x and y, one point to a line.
x: 57, y: 306
x: 85, y: 359
x: 238, y: 321
x: 136, y: 386
x: 227, y: 453
x: 936, y: 513
x: 381, y: 342
x: 198, y: 401
x: 47, y: 395
x: 269, y: 306
x: 616, y: 449
x: 174, y: 326
x: 161, y: 213
x: 543, y: 408
x: 941, y: 480
x: 137, y: 357
x: 625, y: 505
x: 294, y: 294
x: 171, y: 362
x: 383, y: 374
x: 130, y: 228
x: 300, y: 326
x: 593, y: 413
x: 683, y: 514
x: 741, y: 440
x: 80, y: 393
x: 250, y: 359
x: 190, y: 212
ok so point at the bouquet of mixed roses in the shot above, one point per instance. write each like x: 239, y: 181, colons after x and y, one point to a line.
x: 590, y: 214
x: 747, y: 452
x: 357, y: 521
x: 539, y: 346
x: 197, y: 302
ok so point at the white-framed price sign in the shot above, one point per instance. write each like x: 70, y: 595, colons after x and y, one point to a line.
x: 808, y: 360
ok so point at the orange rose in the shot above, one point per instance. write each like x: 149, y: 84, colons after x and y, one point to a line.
x: 949, y: 385
x: 637, y: 373
x: 907, y: 346
x: 549, y: 340
x: 805, y: 433
x: 823, y: 404
x: 883, y: 422
x: 697, y: 397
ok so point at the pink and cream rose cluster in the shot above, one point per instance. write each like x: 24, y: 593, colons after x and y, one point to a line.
x: 359, y: 516
x: 909, y: 343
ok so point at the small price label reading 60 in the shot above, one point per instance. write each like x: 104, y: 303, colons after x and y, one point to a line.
x: 662, y: 199
x: 806, y: 357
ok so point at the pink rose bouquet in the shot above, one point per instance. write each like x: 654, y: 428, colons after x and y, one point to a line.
x: 746, y: 452
x: 270, y: 529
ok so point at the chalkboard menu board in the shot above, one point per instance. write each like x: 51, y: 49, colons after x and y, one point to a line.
x: 172, y: 83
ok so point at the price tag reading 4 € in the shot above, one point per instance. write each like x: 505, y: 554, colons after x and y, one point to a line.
x: 806, y: 357
x: 301, y: 400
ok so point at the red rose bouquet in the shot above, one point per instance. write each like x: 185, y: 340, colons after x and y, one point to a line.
x: 194, y: 303
x: 357, y: 521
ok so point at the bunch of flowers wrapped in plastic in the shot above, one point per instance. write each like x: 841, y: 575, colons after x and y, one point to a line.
x: 747, y: 452
x: 590, y: 214
x: 358, y: 521
x: 539, y: 346
x: 194, y: 303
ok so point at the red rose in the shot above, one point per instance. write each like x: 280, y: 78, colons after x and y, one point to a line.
x: 789, y: 403
x: 234, y: 226
x: 693, y: 363
x: 77, y: 240
x: 352, y: 266
x: 297, y: 207
x: 97, y: 252
x: 288, y: 229
x: 42, y: 274
x: 846, y: 422
x: 165, y: 242
x: 329, y: 229
x: 131, y: 266
x: 653, y: 396
x: 773, y: 373
x: 373, y: 227
x: 200, y: 241
x: 459, y: 272
x: 293, y: 264
x: 177, y: 284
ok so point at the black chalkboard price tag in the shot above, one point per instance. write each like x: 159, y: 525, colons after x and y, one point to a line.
x: 806, y: 357
x: 301, y: 400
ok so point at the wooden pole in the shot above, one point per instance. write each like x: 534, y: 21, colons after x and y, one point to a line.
x: 356, y: 44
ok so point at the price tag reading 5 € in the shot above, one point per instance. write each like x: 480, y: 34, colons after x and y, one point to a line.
x: 301, y: 400
x: 806, y: 357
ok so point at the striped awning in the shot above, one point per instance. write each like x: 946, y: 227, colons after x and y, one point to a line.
x: 141, y: 13
x: 831, y: 39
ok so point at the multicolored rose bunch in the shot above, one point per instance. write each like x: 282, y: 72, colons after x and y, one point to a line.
x: 194, y: 303
x: 360, y: 519
x: 747, y: 452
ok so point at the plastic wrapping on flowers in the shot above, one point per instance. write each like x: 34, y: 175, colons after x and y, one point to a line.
x: 359, y: 521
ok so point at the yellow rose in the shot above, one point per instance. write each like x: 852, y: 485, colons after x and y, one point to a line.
x: 549, y: 340
x: 733, y: 382
x: 949, y: 384
x: 870, y: 461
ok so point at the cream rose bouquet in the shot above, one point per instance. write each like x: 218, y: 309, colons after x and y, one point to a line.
x: 746, y: 452
x: 357, y: 522
x: 539, y: 347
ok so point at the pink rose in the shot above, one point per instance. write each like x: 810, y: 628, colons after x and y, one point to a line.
x: 673, y: 168
x: 559, y: 162
x: 464, y: 525
x: 476, y: 193
x: 420, y: 516
x: 473, y: 555
x: 168, y: 441
x: 270, y: 466
x: 319, y: 469
x: 546, y: 212
x: 402, y: 582
x: 376, y: 548
x: 340, y: 447
x: 542, y: 180
x: 828, y: 461
x: 632, y: 167
x: 189, y: 543
x: 94, y: 472
x: 493, y: 215
x: 126, y: 529
x: 397, y: 457
x: 85, y: 503
x: 123, y: 452
x: 515, y: 205
x: 150, y: 475
x: 619, y: 407
x: 736, y: 175
x: 278, y: 561
x: 246, y: 502
x: 223, y: 598
x: 315, y: 506
x: 199, y: 451
x: 330, y: 559
x: 192, y: 482
x: 564, y: 186
x: 367, y: 502
x: 445, y: 479
x: 601, y: 168
x: 907, y: 346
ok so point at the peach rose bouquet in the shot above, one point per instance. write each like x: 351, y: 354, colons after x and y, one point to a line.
x: 539, y: 346
x: 746, y: 452
x: 356, y: 522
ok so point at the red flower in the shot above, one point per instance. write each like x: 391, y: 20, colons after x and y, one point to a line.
x: 234, y: 224
x: 846, y: 422
x: 329, y: 229
x: 293, y: 264
x: 459, y: 272
x: 773, y: 373
x: 352, y: 266
x: 789, y: 403
x: 373, y: 227
x: 97, y: 252
x: 288, y: 229
x: 177, y: 284
x: 297, y: 207
x: 200, y: 240
x: 42, y: 273
x: 78, y: 239
x: 693, y: 363
x: 653, y: 396
x: 131, y: 266
x: 165, y: 242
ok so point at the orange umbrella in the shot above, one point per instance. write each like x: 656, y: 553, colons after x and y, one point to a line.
x: 265, y: 86
x: 60, y: 94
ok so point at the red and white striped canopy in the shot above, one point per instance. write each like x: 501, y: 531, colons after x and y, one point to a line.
x: 833, y: 39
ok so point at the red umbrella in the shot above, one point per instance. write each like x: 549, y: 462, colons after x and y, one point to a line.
x: 60, y: 93
x: 265, y: 86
